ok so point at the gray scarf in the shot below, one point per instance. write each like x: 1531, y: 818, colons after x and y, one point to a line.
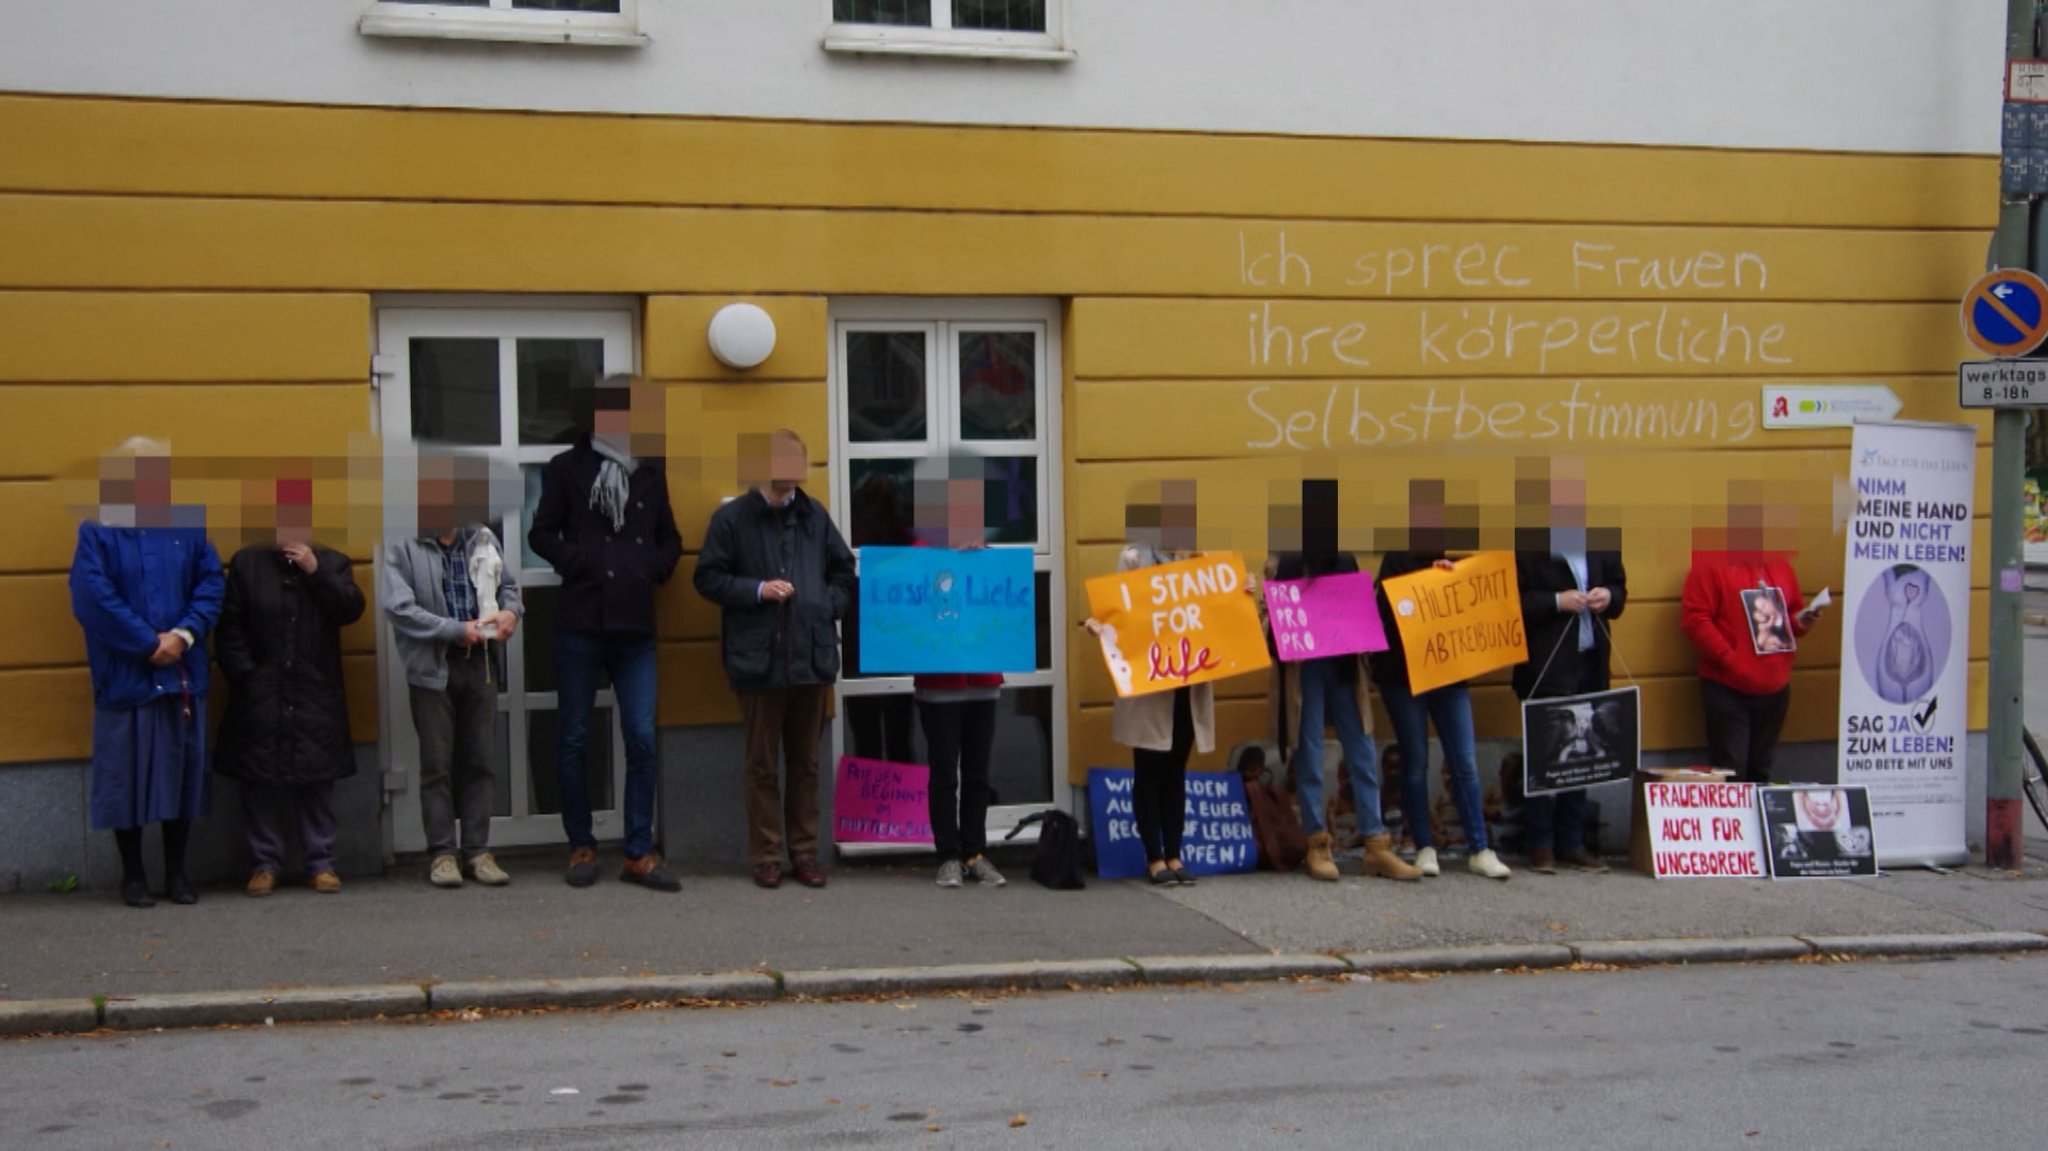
x: 608, y: 492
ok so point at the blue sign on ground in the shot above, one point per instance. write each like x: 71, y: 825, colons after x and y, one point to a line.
x: 1218, y: 838
x: 932, y: 610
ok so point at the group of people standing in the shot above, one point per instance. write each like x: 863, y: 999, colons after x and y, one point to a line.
x: 149, y: 590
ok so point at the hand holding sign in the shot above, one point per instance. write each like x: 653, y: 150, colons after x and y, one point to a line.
x: 1460, y: 623
x: 1177, y: 624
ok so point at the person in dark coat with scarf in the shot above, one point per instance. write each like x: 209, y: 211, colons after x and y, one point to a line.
x: 146, y: 587
x: 286, y: 734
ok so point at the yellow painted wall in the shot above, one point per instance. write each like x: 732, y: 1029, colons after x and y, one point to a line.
x: 1239, y: 310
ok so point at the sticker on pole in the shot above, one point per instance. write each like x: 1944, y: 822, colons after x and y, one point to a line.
x: 2006, y: 313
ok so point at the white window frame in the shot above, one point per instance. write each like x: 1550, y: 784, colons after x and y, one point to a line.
x: 942, y: 320
x: 942, y: 39
x: 506, y: 319
x: 501, y: 21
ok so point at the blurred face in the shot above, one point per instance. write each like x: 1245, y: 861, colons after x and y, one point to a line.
x: 135, y: 481
x: 294, y: 524
x: 1177, y: 516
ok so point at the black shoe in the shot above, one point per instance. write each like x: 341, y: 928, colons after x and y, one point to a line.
x: 135, y: 893
x: 1164, y: 877
x: 1182, y: 876
x: 181, y: 891
x: 582, y: 867
x: 649, y: 871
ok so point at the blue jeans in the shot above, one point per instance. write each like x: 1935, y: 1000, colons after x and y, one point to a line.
x: 1558, y: 820
x: 629, y: 659
x: 1325, y: 696
x: 1450, y: 707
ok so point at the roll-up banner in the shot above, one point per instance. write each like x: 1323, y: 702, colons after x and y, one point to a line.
x: 1906, y: 637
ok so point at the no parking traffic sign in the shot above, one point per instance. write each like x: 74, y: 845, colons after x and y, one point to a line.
x: 2006, y: 313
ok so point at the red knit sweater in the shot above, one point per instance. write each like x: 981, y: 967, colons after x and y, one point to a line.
x: 1713, y: 618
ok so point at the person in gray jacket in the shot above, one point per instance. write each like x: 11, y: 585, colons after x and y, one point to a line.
x: 449, y: 595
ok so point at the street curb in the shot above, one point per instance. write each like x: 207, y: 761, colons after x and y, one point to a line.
x: 1039, y: 975
x: 32, y: 1016
x: 1972, y: 944
x: 1484, y: 957
x: 299, y: 1005
x: 217, y: 1008
x: 1235, y: 968
x: 526, y: 994
x: 1648, y: 952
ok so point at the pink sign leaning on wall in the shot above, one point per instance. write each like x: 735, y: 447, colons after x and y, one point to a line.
x: 874, y: 801
x: 1325, y: 616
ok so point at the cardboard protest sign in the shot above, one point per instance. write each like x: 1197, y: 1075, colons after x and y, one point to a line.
x: 1177, y: 624
x: 1701, y: 829
x: 1460, y: 623
x: 1218, y: 836
x: 874, y: 801
x: 1324, y: 616
x: 1818, y: 832
x: 1580, y: 740
x: 937, y: 610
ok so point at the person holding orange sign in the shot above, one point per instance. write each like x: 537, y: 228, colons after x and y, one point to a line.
x: 1163, y: 725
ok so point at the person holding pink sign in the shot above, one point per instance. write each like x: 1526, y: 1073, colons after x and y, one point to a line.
x: 1333, y: 688
x: 1449, y: 706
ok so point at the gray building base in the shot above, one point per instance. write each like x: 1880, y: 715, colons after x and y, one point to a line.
x: 700, y: 821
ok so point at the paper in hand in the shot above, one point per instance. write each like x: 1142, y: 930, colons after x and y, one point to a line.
x: 1819, y: 601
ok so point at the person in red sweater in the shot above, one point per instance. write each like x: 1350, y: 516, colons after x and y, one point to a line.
x: 1745, y: 665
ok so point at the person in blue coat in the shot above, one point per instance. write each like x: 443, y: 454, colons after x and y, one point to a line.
x: 146, y: 586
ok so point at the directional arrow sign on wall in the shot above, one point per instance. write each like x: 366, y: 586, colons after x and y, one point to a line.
x: 1827, y: 405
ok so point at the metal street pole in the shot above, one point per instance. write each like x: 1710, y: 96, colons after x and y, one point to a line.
x: 2002, y: 816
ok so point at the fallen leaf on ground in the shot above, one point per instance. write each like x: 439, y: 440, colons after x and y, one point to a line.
x: 1019, y: 1120
x: 782, y: 1083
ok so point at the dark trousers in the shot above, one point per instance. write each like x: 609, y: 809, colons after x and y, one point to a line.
x: 271, y: 815
x: 1160, y: 785
x: 1742, y: 729
x: 783, y: 724
x: 580, y: 658
x: 1558, y: 820
x: 961, y: 739
x: 457, y: 727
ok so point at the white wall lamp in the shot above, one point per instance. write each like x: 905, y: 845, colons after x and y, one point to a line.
x: 741, y: 335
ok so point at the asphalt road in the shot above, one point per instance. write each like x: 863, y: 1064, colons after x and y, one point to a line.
x: 1831, y: 1055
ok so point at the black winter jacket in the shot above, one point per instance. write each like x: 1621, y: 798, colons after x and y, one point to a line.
x: 608, y: 577
x: 777, y: 645
x: 279, y: 644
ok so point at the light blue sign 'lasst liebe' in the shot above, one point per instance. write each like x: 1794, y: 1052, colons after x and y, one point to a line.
x: 936, y: 610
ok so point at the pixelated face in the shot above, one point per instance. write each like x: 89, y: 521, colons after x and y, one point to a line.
x: 294, y: 512
x: 135, y: 481
x: 628, y: 413
x: 453, y: 492
x: 775, y: 463
x: 951, y: 512
x: 1166, y: 526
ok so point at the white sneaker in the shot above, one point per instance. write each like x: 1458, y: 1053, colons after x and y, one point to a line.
x: 1425, y: 862
x: 445, y: 872
x: 949, y: 873
x: 985, y: 873
x: 1488, y: 864
x: 486, y: 871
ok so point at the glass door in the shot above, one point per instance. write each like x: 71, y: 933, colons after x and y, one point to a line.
x: 925, y: 389
x: 503, y: 382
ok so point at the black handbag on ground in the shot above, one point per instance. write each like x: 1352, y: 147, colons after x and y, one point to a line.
x: 1057, y: 862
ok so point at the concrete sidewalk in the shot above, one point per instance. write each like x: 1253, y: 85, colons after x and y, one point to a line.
x: 891, y: 923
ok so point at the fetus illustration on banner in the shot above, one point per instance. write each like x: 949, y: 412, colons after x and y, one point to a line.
x: 1177, y: 624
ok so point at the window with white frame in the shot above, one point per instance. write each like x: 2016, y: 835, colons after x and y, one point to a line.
x: 602, y: 23
x: 1021, y: 29
x: 955, y: 389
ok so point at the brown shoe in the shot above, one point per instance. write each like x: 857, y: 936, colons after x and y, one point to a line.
x: 261, y: 884
x: 582, y: 867
x: 1584, y: 859
x: 649, y: 871
x: 327, y: 883
x: 768, y: 875
x: 808, y: 872
x: 1543, y: 861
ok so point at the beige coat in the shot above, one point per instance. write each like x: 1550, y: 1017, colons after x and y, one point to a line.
x: 1284, y: 682
x: 1146, y: 721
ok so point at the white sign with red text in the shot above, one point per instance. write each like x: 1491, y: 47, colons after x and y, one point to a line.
x: 1701, y: 830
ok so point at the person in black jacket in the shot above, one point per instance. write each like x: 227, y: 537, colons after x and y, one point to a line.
x: 604, y: 523
x: 286, y: 733
x: 780, y: 573
x: 1568, y: 592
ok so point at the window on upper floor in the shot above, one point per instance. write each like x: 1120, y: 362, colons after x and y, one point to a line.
x: 1018, y: 29
x: 614, y: 23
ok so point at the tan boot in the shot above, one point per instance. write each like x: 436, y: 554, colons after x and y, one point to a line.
x: 1319, y: 865
x: 1380, y: 860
